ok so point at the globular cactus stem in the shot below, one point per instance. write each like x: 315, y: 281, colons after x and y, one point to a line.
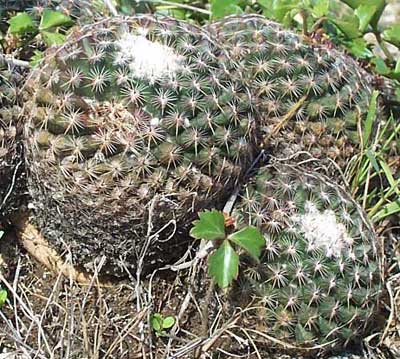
x: 126, y: 111
x: 310, y: 97
x: 318, y: 282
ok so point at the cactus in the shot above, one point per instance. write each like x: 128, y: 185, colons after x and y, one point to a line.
x: 311, y: 97
x: 135, y: 124
x: 127, y: 111
x: 319, y: 277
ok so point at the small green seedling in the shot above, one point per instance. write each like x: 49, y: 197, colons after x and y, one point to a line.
x: 159, y: 323
x: 223, y: 263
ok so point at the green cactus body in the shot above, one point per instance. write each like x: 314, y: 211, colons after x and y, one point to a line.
x: 319, y: 277
x: 311, y: 97
x: 127, y: 111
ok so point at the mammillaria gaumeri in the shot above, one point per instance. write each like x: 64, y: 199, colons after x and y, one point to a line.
x: 312, y: 97
x: 319, y: 278
x: 128, y: 111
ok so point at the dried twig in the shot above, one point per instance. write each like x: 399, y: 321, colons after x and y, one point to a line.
x: 10, y: 60
x: 13, y: 180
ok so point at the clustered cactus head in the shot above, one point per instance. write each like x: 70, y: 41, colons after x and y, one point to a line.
x: 127, y: 111
x: 10, y: 133
x: 311, y: 97
x: 319, y: 278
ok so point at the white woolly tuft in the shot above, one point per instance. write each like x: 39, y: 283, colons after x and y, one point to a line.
x: 322, y: 230
x: 146, y: 59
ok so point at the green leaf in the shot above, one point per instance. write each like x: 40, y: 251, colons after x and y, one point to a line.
x: 392, y: 35
x: 379, y: 4
x: 52, y: 38
x: 52, y: 18
x: 168, y: 322
x: 397, y: 68
x: 387, y: 210
x: 371, y: 116
x: 3, y: 297
x: 266, y: 6
x: 210, y: 226
x: 220, y: 8
x: 36, y: 58
x: 1, y: 234
x: 365, y: 14
x: 223, y: 265
x: 397, y: 93
x: 320, y: 8
x: 281, y: 8
x: 266, y: 3
x: 389, y: 177
x: 352, y: 3
x: 156, y: 322
x: 380, y: 66
x: 359, y: 48
x: 21, y: 24
x: 395, y: 74
x: 290, y: 17
x: 372, y: 159
x: 348, y: 25
x: 250, y: 239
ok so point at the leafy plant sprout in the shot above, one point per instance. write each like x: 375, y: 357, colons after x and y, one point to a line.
x: 160, y: 324
x: 224, y: 262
